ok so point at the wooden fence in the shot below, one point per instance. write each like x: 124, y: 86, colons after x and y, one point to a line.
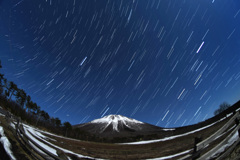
x: 27, y: 142
x: 200, y: 151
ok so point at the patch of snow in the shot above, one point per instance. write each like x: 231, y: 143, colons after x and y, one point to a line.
x: 124, y: 122
x: 229, y: 114
x: 36, y: 148
x: 172, y: 156
x: 115, y: 124
x: 172, y: 137
x: 43, y: 136
x: 168, y: 129
x: 225, y: 132
x: 104, y: 127
x: 12, y: 125
x: 48, y: 133
x: 230, y: 142
x: 34, y: 132
x: 2, y: 115
x: 6, y: 144
x: 1, y: 131
x: 53, y: 151
x: 222, y: 119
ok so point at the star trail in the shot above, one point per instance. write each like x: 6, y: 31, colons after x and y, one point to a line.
x: 165, y: 62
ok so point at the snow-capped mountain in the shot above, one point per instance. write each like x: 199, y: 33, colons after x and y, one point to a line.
x: 118, y: 125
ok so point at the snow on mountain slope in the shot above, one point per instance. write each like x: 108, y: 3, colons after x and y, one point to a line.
x: 116, y: 121
x: 115, y: 118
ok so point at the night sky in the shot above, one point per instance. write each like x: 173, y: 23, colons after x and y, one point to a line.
x: 165, y: 62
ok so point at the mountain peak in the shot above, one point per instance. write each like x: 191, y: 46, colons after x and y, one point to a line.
x: 115, y: 121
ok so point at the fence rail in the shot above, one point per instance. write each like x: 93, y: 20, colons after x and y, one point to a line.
x: 202, y: 145
x: 216, y: 148
x: 22, y: 136
x: 205, y: 142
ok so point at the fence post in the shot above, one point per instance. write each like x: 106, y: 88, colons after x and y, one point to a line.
x: 8, y: 119
x: 237, y: 123
x: 17, y: 125
x: 61, y: 155
x: 21, y: 129
x: 196, y: 153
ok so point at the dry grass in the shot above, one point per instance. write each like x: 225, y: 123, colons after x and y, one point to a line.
x: 143, y: 151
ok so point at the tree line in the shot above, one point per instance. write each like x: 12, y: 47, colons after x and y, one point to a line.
x: 10, y: 91
x: 20, y: 104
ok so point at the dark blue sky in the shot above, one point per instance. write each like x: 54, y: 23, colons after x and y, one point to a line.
x: 166, y: 62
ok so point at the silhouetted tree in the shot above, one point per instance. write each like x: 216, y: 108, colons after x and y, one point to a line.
x: 31, y: 107
x: 5, y: 83
x: 34, y: 108
x: 6, y: 94
x: 21, y: 97
x: 12, y: 88
x: 44, y: 115
x: 28, y: 103
x: 57, y: 122
x: 67, y: 127
x: 38, y: 109
x: 222, y: 108
x: 52, y: 121
x: 1, y: 83
x: 38, y: 113
x: 29, y: 110
x: 1, y: 79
